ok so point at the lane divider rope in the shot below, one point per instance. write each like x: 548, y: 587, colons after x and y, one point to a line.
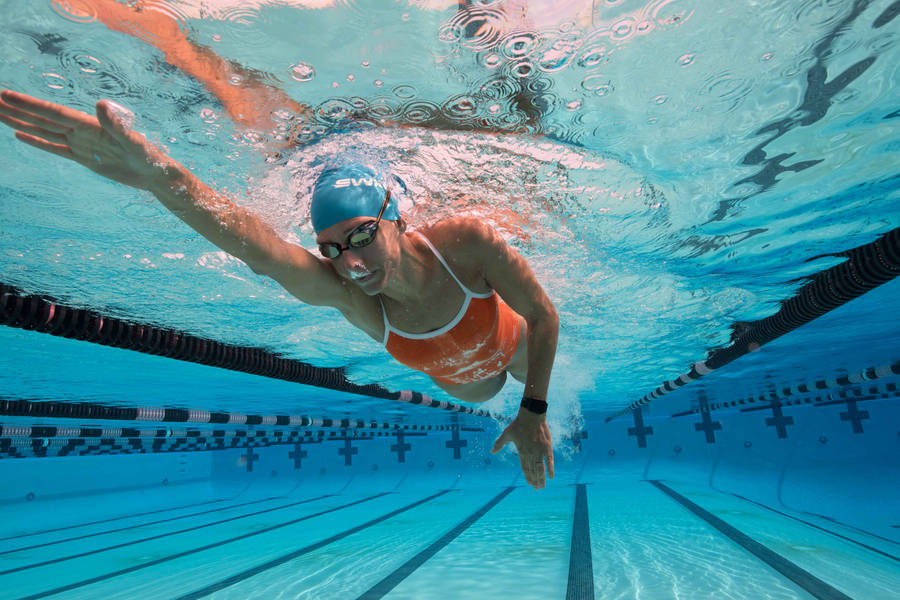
x: 866, y: 267
x: 45, y: 315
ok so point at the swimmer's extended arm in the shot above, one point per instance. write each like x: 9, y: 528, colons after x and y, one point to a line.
x: 106, y: 145
x: 508, y: 273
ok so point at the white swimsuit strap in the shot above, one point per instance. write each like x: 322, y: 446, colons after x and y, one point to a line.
x: 388, y: 328
x: 387, y: 325
x: 449, y: 270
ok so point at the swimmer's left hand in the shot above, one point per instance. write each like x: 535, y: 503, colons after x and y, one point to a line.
x: 531, y: 435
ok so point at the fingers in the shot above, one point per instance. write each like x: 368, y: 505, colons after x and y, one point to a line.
x: 549, y: 459
x: 501, y: 441
x: 58, y: 149
x: 533, y: 469
x: 31, y: 129
x: 56, y: 113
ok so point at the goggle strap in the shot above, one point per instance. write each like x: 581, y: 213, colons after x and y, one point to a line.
x: 387, y: 200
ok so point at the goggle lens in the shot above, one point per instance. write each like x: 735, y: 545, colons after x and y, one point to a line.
x: 359, y: 238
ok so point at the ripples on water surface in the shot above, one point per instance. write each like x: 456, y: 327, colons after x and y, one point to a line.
x: 668, y: 167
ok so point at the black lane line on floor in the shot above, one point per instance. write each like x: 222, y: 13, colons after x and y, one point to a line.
x: 581, y: 569
x: 809, y: 582
x: 164, y: 559
x: 855, y: 528
x: 158, y: 536
x: 142, y: 514
x: 383, y: 587
x: 243, y: 575
x: 819, y: 527
x: 157, y: 522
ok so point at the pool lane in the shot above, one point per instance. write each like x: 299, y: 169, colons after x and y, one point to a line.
x: 37, y: 557
x: 646, y: 545
x: 809, y: 582
x: 41, y: 534
x: 395, y: 577
x: 851, y: 568
x: 520, y: 545
x: 351, y: 565
x: 143, y: 565
x: 146, y: 523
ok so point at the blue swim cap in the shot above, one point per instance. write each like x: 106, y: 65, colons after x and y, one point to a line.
x: 351, y: 191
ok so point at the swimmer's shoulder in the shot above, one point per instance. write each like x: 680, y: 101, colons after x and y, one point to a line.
x: 459, y: 235
x: 466, y: 243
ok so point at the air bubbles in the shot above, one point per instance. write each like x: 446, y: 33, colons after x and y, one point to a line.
x: 79, y: 11
x: 573, y: 105
x: 86, y: 63
x: 335, y: 110
x: 302, y: 72
x: 384, y: 108
x: 598, y: 85
x: 491, y: 60
x: 351, y: 77
x: 460, y: 107
x: 661, y: 99
x: 378, y: 83
x: 767, y: 57
x: 450, y: 33
x: 594, y: 57
x: 208, y: 115
x: 670, y: 13
x: 727, y: 88
x: 520, y: 45
x: 420, y: 111
x: 405, y: 91
x: 560, y: 54
x: 365, y: 64
x: 622, y: 30
x: 494, y: 109
x: 473, y: 27
x: 686, y: 60
x: 522, y: 69
x: 497, y: 88
x: 56, y: 82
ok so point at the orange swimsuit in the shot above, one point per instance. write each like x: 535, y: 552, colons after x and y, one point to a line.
x: 477, y: 344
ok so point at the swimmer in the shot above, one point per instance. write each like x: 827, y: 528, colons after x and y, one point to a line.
x: 452, y: 300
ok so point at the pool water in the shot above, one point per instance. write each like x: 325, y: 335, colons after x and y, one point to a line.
x: 674, y: 171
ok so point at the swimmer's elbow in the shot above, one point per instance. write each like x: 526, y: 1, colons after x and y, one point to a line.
x: 544, y: 316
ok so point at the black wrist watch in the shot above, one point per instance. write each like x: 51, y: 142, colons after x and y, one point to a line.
x: 538, y: 407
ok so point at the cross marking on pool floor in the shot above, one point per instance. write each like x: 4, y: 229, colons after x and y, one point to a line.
x: 456, y: 443
x: 778, y: 420
x: 401, y: 447
x: 250, y: 457
x: 298, y: 454
x: 348, y: 451
x: 855, y: 416
x: 639, y: 430
x: 708, y: 426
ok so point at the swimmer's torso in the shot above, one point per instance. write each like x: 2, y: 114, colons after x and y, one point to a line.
x: 455, y: 329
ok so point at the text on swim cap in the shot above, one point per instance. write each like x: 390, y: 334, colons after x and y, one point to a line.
x: 342, y: 183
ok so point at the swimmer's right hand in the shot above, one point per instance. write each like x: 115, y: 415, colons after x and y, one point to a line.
x: 105, y: 144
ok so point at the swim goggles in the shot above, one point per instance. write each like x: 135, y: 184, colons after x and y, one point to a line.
x: 360, y: 237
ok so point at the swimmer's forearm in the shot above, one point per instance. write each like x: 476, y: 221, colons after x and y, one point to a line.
x: 232, y: 228
x: 542, y: 340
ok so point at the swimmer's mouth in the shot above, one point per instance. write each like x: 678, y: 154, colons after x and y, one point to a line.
x: 360, y: 276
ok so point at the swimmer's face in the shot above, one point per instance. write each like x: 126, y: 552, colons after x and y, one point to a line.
x: 370, y: 266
